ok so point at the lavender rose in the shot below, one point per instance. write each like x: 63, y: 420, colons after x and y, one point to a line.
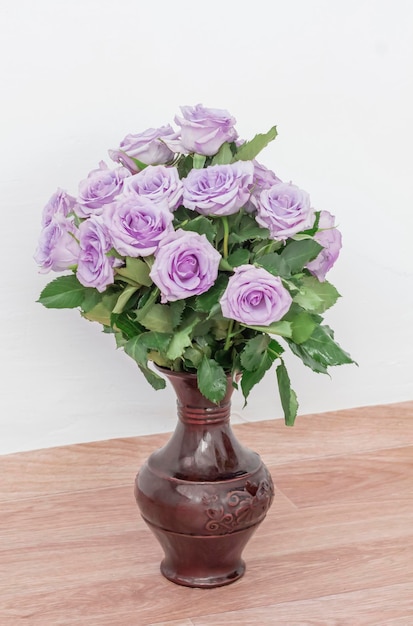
x: 204, y: 130
x: 148, y: 147
x: 158, y: 183
x: 263, y: 179
x: 58, y: 248
x: 60, y: 204
x: 95, y: 268
x: 285, y: 210
x: 218, y: 189
x: 99, y: 188
x: 137, y: 225
x: 330, y: 238
x: 185, y: 265
x: 255, y: 297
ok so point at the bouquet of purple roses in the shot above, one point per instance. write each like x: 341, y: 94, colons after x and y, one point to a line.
x: 197, y: 257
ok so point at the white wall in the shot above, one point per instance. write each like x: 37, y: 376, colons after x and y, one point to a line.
x: 335, y: 76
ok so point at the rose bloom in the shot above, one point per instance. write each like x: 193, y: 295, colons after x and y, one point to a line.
x: 147, y: 147
x: 255, y: 297
x: 218, y: 189
x: 58, y: 248
x: 99, y: 188
x: 60, y: 204
x: 204, y: 130
x: 285, y: 210
x: 263, y: 179
x: 95, y: 268
x: 186, y: 265
x: 137, y: 225
x: 158, y: 183
x: 330, y: 239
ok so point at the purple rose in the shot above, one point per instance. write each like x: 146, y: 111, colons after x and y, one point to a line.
x: 285, y: 210
x: 95, y: 268
x: 204, y: 130
x: 60, y: 204
x: 99, y: 188
x: 137, y: 225
x: 158, y: 183
x: 255, y: 297
x: 330, y: 238
x: 263, y: 179
x: 185, y: 265
x: 218, y: 189
x: 147, y: 147
x: 58, y: 248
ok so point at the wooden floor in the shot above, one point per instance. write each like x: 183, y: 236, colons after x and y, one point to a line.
x: 335, y: 549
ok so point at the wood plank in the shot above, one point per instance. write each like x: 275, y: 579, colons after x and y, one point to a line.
x: 384, y: 606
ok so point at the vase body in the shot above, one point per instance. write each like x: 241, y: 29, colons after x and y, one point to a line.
x: 203, y: 494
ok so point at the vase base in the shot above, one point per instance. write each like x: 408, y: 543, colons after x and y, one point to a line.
x: 208, y: 582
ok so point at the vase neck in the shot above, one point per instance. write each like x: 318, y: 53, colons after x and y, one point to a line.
x: 193, y: 407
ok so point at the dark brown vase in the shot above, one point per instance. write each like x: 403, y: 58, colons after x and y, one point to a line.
x: 203, y: 494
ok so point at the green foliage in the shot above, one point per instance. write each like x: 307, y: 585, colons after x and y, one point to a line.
x: 250, y: 149
x: 64, y: 292
x: 320, y: 351
x: 256, y: 358
x: 223, y: 156
x: 314, y: 296
x: 287, y: 395
x: 212, y: 380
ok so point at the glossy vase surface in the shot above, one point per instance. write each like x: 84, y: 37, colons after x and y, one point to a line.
x: 203, y: 494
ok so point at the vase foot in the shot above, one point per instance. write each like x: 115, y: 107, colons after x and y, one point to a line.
x: 207, y: 582
x: 202, y: 561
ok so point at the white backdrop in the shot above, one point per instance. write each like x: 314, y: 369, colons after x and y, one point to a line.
x: 335, y: 76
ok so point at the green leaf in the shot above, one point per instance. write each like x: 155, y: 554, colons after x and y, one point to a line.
x: 128, y: 326
x: 250, y: 379
x: 283, y: 328
x: 201, y: 225
x: 181, y: 338
x: 250, y: 149
x: 223, y: 156
x: 287, y: 395
x: 320, y: 351
x: 185, y: 164
x: 324, y: 349
x: 102, y: 311
x: 158, y: 318
x: 136, y: 270
x: 153, y: 379
x: 315, y: 296
x: 137, y: 348
x: 275, y: 264
x: 256, y: 358
x: 199, y: 161
x: 146, y: 302
x: 177, y: 308
x: 254, y: 352
x: 239, y: 257
x: 302, y: 326
x: 212, y: 381
x: 91, y: 299
x: 248, y: 229
x: 124, y: 298
x: 64, y: 292
x: 298, y: 253
x: 155, y: 341
x: 206, y: 301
